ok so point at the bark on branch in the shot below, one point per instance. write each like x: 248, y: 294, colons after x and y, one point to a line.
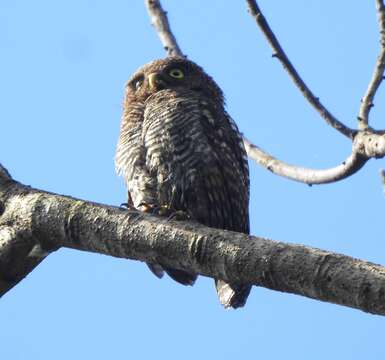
x: 20, y: 251
x: 34, y: 223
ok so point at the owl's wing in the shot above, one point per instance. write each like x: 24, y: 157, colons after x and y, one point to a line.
x: 230, y: 182
x: 228, y: 179
x: 237, y: 147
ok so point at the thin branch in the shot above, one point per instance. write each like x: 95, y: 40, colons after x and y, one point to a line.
x: 160, y: 22
x: 56, y: 221
x: 305, y: 175
x: 279, y: 53
x: 378, y: 72
x: 366, y: 145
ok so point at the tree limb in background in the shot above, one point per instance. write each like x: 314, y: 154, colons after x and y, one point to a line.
x: 378, y: 73
x: 366, y: 145
x: 305, y: 175
x: 159, y: 20
x: 280, y: 54
x: 40, y: 220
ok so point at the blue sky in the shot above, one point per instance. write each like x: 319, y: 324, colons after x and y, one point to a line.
x: 63, y: 66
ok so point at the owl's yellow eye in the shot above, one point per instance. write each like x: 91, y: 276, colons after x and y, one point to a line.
x: 176, y: 73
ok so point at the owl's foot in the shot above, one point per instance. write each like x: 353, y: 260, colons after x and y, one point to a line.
x: 149, y: 208
x: 164, y: 211
x: 178, y: 215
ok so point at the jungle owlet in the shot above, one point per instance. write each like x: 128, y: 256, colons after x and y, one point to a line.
x: 179, y: 149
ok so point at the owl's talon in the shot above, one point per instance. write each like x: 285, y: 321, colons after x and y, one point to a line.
x: 164, y: 211
x: 147, y: 208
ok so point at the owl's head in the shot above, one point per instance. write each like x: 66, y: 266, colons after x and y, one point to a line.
x: 171, y: 73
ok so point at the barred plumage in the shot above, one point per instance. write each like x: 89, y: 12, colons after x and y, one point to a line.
x: 180, y: 150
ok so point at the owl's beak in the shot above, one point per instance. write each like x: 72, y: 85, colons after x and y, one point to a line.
x: 155, y: 81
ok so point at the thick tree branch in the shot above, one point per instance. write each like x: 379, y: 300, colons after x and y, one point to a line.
x: 280, y: 54
x: 48, y: 221
x: 160, y: 22
x: 378, y: 73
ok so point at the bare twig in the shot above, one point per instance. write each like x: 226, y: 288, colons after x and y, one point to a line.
x: 305, y: 175
x: 366, y: 145
x: 160, y: 22
x: 279, y: 53
x: 378, y: 72
x: 47, y: 221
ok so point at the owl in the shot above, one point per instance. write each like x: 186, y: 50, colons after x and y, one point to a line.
x: 179, y: 150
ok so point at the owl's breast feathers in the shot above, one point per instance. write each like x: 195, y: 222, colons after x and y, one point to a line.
x: 186, y: 153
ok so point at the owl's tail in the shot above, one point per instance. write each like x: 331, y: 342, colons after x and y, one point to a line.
x: 232, y: 295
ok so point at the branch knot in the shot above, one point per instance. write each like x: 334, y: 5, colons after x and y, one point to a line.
x: 369, y: 144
